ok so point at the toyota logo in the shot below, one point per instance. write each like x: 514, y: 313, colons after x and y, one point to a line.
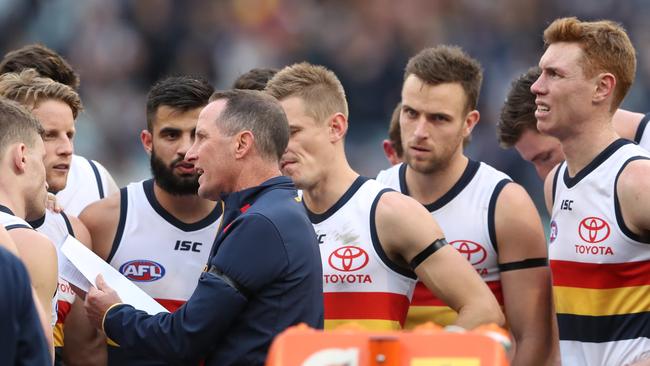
x: 593, y: 229
x: 474, y: 252
x: 348, y: 259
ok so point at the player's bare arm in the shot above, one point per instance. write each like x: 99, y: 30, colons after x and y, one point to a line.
x: 39, y: 255
x: 633, y: 189
x: 525, y: 278
x: 101, y: 218
x: 626, y: 123
x: 406, y: 229
x: 84, y: 344
x: 548, y: 189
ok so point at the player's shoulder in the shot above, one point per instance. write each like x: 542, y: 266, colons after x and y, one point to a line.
x: 634, y: 175
x: 387, y: 175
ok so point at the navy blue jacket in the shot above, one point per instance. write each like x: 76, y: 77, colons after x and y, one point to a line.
x: 21, y: 334
x: 265, y: 275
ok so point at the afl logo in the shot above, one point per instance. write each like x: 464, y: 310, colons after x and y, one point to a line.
x: 348, y: 259
x: 553, y: 234
x: 593, y: 229
x: 142, y: 270
x: 474, y: 252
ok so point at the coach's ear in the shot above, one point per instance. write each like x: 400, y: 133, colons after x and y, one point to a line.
x: 147, y: 141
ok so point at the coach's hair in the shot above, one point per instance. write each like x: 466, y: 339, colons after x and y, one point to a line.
x: 30, y: 89
x: 606, y: 48
x: 318, y: 87
x: 448, y: 64
x: 259, y: 113
x: 46, y: 62
x: 181, y: 93
x: 17, y: 125
x: 394, y: 132
x: 518, y: 111
x: 255, y: 79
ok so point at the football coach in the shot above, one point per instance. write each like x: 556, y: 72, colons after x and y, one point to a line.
x: 264, y: 272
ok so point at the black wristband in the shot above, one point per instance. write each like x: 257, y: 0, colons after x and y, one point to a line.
x: 526, y: 263
x: 424, y: 254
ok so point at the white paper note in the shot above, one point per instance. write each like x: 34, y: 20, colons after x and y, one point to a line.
x: 90, y: 265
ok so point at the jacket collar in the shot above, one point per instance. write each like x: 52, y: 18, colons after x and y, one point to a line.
x: 245, y: 198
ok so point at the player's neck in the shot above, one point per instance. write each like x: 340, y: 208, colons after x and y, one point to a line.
x: 331, y: 186
x: 8, y: 199
x: 186, y: 208
x: 427, y: 188
x: 582, y: 147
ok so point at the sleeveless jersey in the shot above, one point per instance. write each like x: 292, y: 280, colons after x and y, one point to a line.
x: 57, y: 227
x: 10, y: 222
x: 360, y: 283
x: 88, y: 181
x: 160, y: 254
x: 601, y: 270
x: 466, y: 215
x: 642, y: 136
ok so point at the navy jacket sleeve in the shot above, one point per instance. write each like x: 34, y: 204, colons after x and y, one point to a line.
x: 251, y: 255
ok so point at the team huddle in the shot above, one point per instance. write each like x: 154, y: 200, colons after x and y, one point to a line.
x: 254, y: 221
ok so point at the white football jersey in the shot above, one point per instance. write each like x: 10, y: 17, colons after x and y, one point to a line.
x: 158, y: 252
x: 600, y: 267
x: 360, y: 283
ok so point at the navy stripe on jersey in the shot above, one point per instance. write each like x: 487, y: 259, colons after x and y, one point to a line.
x: 641, y: 128
x: 599, y: 159
x: 607, y: 328
x: 210, y: 219
x: 318, y: 218
x: 124, y: 199
x: 68, y: 225
x: 468, y: 174
x: 492, y: 207
x: 18, y: 226
x: 37, y: 223
x: 6, y: 210
x: 617, y: 206
x: 377, y: 244
x: 98, y: 178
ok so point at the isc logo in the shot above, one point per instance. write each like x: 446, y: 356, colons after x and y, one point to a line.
x: 142, y: 270
x: 187, y: 246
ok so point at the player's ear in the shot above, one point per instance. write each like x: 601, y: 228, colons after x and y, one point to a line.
x: 605, y: 86
x: 147, y: 141
x: 18, y: 157
x: 471, y: 120
x: 338, y: 126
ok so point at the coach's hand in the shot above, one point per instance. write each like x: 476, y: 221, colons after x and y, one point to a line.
x: 99, y: 300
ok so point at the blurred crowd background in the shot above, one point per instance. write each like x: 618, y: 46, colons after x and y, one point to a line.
x: 120, y: 48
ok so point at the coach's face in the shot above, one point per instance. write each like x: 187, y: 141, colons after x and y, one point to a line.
x: 213, y: 154
x: 564, y: 94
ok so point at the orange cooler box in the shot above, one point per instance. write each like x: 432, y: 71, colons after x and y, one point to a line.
x: 351, y: 346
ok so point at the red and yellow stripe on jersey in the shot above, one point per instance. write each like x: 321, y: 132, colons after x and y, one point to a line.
x: 426, y: 307
x: 612, y: 298
x: 371, y: 310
